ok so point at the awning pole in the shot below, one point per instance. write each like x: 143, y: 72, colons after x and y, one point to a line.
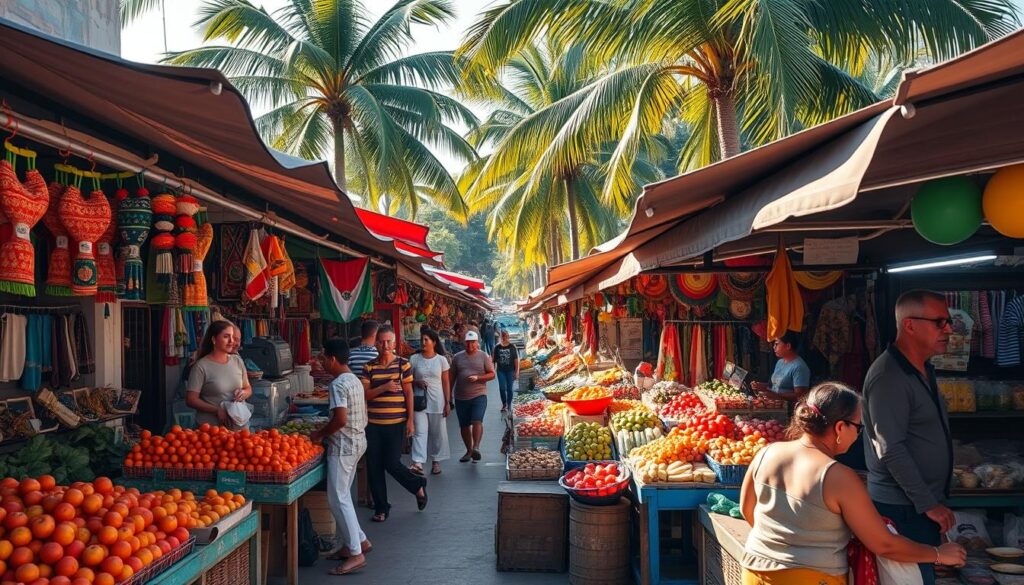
x: 28, y: 128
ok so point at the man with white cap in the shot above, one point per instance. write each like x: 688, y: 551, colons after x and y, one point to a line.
x: 471, y: 370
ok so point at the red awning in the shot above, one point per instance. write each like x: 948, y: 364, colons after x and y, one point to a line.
x: 459, y: 280
x: 409, y: 238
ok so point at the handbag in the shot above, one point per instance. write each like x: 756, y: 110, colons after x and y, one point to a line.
x: 419, y: 399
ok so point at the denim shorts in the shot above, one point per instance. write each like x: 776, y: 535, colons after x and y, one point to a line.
x: 471, y: 411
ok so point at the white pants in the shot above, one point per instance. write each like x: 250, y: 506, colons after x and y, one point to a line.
x: 341, y: 472
x: 431, y: 438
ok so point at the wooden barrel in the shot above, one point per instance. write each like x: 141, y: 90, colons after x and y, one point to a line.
x: 599, y: 543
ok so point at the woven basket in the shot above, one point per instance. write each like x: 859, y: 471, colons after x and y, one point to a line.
x: 233, y: 570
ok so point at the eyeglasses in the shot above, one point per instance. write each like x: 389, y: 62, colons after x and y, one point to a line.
x: 939, y: 322
x: 860, y: 427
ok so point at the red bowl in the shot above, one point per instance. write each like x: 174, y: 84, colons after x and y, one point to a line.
x: 588, y: 407
x: 605, y: 496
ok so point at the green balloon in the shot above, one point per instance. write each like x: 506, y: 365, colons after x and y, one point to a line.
x: 947, y: 211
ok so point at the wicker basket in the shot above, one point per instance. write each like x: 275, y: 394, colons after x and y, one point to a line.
x: 232, y: 570
x: 717, y: 566
x: 531, y: 474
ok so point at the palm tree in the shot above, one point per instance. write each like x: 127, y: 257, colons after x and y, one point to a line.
x: 134, y: 9
x: 740, y: 72
x: 535, y: 205
x: 335, y: 84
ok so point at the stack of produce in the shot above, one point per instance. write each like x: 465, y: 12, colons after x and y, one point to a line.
x: 588, y: 393
x: 524, y: 397
x: 525, y: 364
x: 728, y: 451
x: 710, y: 425
x: 682, y: 406
x: 595, y: 476
x: 302, y: 426
x: 625, y: 391
x: 539, y: 427
x: 530, y: 409
x: 608, y: 377
x: 680, y: 444
x: 771, y: 430
x: 647, y: 471
x: 554, y: 410
x: 562, y: 369
x: 635, y: 428
x: 218, y: 448
x: 618, y: 405
x: 536, y: 459
x: 588, y: 441
x: 725, y: 396
x: 95, y: 532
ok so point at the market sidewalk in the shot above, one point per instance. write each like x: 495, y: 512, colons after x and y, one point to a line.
x: 452, y: 541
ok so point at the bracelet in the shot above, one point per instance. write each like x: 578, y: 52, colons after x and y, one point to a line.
x: 936, y: 555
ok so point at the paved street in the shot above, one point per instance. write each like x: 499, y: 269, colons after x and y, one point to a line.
x: 452, y: 541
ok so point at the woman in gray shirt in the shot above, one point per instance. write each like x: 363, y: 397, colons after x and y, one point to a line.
x: 218, y: 376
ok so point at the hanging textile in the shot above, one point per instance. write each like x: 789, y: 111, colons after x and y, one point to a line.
x: 719, y: 351
x: 1011, y: 323
x: 185, y: 239
x: 196, y: 297
x: 345, y: 289
x: 988, y: 345
x: 58, y: 269
x: 106, y: 278
x: 273, y: 253
x: 670, y: 364
x: 816, y: 280
x: 12, y: 347
x: 83, y: 344
x: 134, y: 219
x: 256, y: 283
x: 694, y: 289
x: 164, y: 209
x: 698, y: 364
x: 785, y: 306
x: 37, y: 351
x: 23, y: 206
x: 832, y: 336
x: 287, y: 278
x: 85, y: 220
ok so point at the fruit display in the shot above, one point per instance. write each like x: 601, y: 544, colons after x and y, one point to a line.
x: 662, y: 393
x: 625, y: 391
x: 728, y: 451
x: 556, y: 391
x: 562, y: 369
x: 588, y: 441
x: 525, y: 364
x: 208, y: 448
x: 682, y: 405
x: 725, y: 396
x: 710, y: 425
x: 532, y: 408
x: 608, y: 377
x: 771, y: 430
x: 539, y: 427
x: 588, y: 393
x: 623, y: 405
x: 635, y: 428
x: 95, y: 533
x: 959, y: 394
x: 991, y: 476
x: 555, y: 410
x: 303, y: 426
x: 678, y: 471
x: 524, y: 397
x: 680, y: 444
x: 596, y: 479
x: 535, y: 459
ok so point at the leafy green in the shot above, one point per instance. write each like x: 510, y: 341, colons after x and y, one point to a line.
x: 82, y: 455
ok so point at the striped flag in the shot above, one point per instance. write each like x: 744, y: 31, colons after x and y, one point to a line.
x: 345, y: 291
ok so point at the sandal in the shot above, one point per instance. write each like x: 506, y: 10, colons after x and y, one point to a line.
x: 417, y: 469
x: 342, y: 553
x: 421, y: 501
x: 465, y: 458
x: 476, y: 456
x: 435, y: 469
x: 338, y: 571
x: 379, y: 517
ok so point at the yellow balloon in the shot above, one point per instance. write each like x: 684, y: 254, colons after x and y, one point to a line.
x: 1003, y: 202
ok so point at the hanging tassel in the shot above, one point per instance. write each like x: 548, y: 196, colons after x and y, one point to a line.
x: 134, y: 219
x: 164, y: 209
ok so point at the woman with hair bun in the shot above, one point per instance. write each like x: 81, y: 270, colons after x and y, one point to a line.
x: 804, y: 507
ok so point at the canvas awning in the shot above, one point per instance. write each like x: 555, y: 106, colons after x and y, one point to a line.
x: 191, y: 115
x: 961, y: 116
x: 408, y: 237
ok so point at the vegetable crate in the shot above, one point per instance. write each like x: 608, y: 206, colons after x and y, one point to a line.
x: 530, y: 474
x: 551, y: 443
x: 571, y: 464
x: 727, y: 474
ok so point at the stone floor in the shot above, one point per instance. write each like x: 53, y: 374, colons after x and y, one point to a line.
x: 452, y: 541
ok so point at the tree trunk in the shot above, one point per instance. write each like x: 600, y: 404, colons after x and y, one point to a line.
x: 728, y: 123
x: 339, y: 156
x: 574, y: 228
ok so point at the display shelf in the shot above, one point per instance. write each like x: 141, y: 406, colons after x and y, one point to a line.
x: 987, y: 414
x: 1002, y: 499
x: 203, y: 558
x: 260, y: 493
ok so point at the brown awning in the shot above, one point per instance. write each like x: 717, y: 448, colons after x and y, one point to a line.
x: 174, y: 110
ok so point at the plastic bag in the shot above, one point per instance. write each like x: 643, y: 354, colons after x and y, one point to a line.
x: 238, y: 412
x: 969, y: 530
x: 1000, y: 477
x: 894, y: 572
x: 1013, y: 531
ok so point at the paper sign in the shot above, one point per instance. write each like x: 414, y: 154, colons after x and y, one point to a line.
x: 631, y: 339
x: 827, y: 251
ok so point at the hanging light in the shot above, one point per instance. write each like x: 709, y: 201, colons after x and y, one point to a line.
x: 943, y: 263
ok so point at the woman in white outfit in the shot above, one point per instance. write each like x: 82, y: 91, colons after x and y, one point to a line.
x: 430, y: 375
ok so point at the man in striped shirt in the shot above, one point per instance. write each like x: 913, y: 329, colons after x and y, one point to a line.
x: 387, y: 382
x: 366, y: 350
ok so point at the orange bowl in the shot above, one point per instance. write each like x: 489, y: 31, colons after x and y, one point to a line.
x: 588, y: 407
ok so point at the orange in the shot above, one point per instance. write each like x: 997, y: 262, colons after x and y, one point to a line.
x: 29, y: 485
x: 103, y: 579
x: 135, y: 563
x: 21, y: 536
x: 93, y: 555
x: 85, y: 573
x: 6, y: 548
x: 156, y: 551
x: 74, y: 496
x: 42, y: 526
x: 121, y: 549
x: 47, y: 482
x: 64, y: 533
x: 108, y: 535
x: 145, y: 555
x: 50, y: 502
x: 83, y: 534
x: 126, y: 573
x: 51, y: 553
x: 92, y: 504
x: 60, y: 580
x: 80, y: 581
x: 112, y: 565
x: 27, y: 573
x: 63, y: 512
x: 113, y: 519
x: 66, y: 567
x: 20, y: 556
x: 168, y: 523
x: 135, y: 542
x: 103, y: 485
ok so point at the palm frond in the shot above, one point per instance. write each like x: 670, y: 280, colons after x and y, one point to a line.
x: 389, y: 36
x: 434, y: 70
x: 132, y: 10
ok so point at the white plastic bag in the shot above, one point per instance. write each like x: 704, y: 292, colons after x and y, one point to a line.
x: 238, y: 412
x: 969, y: 530
x: 1013, y: 531
x: 897, y: 573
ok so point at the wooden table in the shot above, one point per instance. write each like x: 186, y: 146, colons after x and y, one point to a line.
x: 262, y: 494
x: 202, y: 558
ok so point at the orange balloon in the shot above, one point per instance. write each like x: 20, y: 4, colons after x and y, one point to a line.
x: 1003, y: 201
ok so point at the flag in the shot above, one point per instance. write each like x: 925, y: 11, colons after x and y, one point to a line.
x: 345, y: 291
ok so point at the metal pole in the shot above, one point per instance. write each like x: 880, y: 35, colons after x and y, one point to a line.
x: 26, y: 127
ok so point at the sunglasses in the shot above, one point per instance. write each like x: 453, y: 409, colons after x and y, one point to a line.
x: 939, y: 322
x: 860, y: 427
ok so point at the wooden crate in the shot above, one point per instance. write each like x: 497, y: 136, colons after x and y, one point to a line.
x: 570, y: 419
x: 532, y: 531
x: 717, y: 565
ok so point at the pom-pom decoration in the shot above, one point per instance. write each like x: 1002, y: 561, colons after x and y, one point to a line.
x: 58, y: 270
x: 106, y: 272
x: 23, y: 205
x: 86, y: 220
x: 164, y: 208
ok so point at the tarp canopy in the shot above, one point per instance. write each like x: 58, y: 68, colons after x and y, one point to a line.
x: 964, y: 115
x: 177, y: 113
x: 409, y: 238
x: 458, y: 280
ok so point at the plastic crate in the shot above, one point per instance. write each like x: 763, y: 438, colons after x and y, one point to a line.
x: 536, y: 443
x: 570, y: 464
x: 727, y: 474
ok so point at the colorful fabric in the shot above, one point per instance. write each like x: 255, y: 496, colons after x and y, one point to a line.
x: 106, y: 278
x: 273, y: 252
x: 23, y: 205
x: 257, y: 283
x: 1011, y: 323
x: 832, y: 335
x: 85, y: 220
x: 233, y: 238
x: 164, y: 208
x: 195, y: 297
x: 670, y: 365
x: 785, y: 305
x: 988, y: 341
x: 37, y: 337
x: 134, y: 219
x: 12, y: 346
x: 345, y: 289
x: 287, y: 278
x: 817, y: 280
x: 58, y: 272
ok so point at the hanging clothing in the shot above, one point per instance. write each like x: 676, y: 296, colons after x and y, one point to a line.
x: 68, y: 347
x: 37, y: 335
x: 719, y: 359
x: 83, y: 347
x: 12, y: 347
x: 988, y: 344
x: 669, y: 360
x: 698, y: 365
x: 256, y: 279
x: 1011, y: 325
x: 832, y: 334
x: 785, y: 305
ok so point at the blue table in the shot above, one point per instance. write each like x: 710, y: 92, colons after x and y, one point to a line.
x: 654, y: 499
x: 203, y: 558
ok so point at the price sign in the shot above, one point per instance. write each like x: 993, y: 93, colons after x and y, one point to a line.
x: 230, y: 481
